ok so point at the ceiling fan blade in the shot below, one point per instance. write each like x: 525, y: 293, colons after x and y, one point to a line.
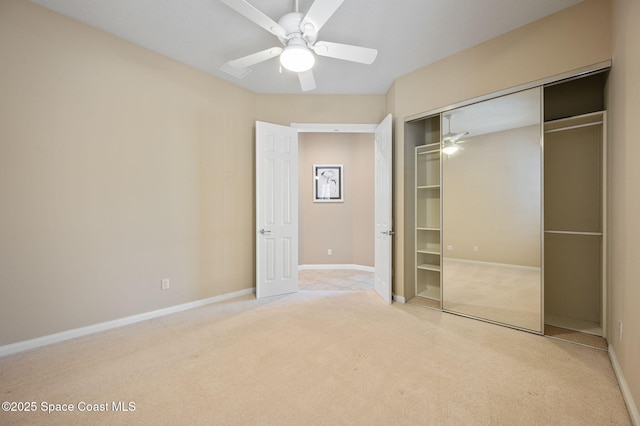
x: 453, y: 137
x: 236, y: 72
x: 320, y: 12
x: 250, y: 12
x: 307, y: 81
x: 347, y: 52
x: 255, y: 58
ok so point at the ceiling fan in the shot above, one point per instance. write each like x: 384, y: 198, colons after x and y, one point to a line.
x: 450, y: 140
x: 298, y: 34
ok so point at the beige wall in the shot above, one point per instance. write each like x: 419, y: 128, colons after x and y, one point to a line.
x: 573, y: 38
x: 346, y: 228
x: 118, y: 167
x: 350, y: 109
x: 570, y: 39
x: 624, y: 199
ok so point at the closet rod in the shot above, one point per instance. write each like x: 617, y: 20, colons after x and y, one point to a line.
x: 597, y: 234
x: 577, y: 126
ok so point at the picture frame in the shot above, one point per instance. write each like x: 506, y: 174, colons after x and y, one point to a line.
x: 328, y: 183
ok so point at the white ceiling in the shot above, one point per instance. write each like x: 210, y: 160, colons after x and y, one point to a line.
x: 408, y: 34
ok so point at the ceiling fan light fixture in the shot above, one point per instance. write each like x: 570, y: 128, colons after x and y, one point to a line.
x: 449, y: 145
x: 297, y: 58
x: 450, y: 148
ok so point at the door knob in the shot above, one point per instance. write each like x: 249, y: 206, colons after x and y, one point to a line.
x: 387, y: 232
x: 263, y: 232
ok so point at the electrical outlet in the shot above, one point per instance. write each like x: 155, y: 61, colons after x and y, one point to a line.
x: 449, y: 248
x: 475, y: 249
x: 164, y: 284
x: 330, y: 252
x: 620, y: 329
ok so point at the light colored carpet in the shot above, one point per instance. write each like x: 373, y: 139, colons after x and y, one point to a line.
x: 576, y: 337
x: 316, y: 358
x: 335, y: 280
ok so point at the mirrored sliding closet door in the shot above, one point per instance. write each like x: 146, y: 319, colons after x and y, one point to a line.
x: 491, y: 210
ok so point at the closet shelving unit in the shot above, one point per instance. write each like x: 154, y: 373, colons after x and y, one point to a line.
x: 428, y: 224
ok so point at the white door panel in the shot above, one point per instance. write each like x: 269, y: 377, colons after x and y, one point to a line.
x: 276, y: 209
x: 383, y: 218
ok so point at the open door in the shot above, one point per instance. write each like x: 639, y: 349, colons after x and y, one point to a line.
x: 383, y: 218
x: 276, y: 209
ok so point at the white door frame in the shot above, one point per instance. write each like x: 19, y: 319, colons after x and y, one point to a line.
x: 334, y: 128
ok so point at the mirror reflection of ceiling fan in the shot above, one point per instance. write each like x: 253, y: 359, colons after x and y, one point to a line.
x: 298, y: 34
x: 451, y: 141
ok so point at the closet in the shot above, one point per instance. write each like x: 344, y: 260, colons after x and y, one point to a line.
x: 511, y: 228
x: 574, y: 205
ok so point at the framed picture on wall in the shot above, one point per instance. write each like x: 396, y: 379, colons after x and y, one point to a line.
x: 328, y: 183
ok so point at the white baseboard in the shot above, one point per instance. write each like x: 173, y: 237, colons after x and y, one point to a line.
x: 83, y: 331
x: 337, y: 266
x: 624, y: 388
x: 399, y: 299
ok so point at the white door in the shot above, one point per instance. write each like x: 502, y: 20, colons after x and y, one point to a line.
x: 383, y: 221
x: 276, y: 209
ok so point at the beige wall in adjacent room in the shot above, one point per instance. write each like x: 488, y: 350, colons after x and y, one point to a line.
x: 573, y: 38
x: 118, y: 167
x: 347, y: 228
x: 623, y: 99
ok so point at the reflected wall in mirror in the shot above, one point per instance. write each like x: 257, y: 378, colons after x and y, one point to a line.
x: 491, y: 209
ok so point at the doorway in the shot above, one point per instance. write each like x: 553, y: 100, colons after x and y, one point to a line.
x: 337, y: 234
x: 336, y: 245
x: 277, y: 204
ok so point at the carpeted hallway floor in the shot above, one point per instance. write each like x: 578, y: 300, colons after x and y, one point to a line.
x: 335, y: 280
x: 315, y: 358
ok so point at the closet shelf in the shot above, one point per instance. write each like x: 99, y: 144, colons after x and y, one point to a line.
x: 429, y: 267
x: 426, y: 251
x: 595, y: 234
x: 431, y: 293
x: 429, y: 145
x: 431, y: 151
x: 575, y: 122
